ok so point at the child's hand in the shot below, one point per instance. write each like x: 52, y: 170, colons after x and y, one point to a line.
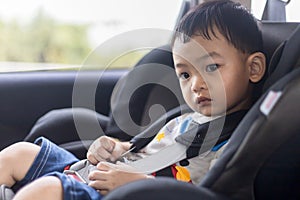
x: 110, y: 176
x: 106, y: 149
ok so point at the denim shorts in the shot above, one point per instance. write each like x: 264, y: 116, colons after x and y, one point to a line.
x: 51, y: 161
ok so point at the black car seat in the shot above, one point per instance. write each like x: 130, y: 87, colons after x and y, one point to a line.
x: 274, y: 42
x: 58, y: 125
x: 262, y: 158
x: 272, y: 138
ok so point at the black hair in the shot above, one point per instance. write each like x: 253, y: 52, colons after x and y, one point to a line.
x: 232, y: 20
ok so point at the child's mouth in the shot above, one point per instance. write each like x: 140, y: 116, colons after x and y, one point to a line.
x: 203, y: 101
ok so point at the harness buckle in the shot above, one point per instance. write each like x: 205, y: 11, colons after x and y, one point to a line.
x: 75, y: 175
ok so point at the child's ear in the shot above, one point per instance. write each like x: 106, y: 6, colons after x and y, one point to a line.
x: 257, y: 66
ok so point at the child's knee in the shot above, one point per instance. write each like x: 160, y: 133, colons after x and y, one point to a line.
x: 25, y: 146
x: 20, y: 151
x: 17, y: 158
x: 43, y: 188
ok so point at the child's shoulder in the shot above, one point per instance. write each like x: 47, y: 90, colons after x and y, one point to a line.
x: 195, y: 116
x: 180, y: 119
x: 184, y: 117
x: 186, y: 120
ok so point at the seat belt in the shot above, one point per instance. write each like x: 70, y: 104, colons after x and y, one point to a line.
x: 142, y: 139
x: 196, y: 141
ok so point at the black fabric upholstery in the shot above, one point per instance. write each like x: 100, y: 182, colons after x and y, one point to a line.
x: 147, y: 94
x: 274, y: 33
x: 273, y: 43
x: 58, y: 125
x: 162, y: 188
x: 279, y: 177
x: 225, y: 176
x: 255, y: 141
x: 261, y: 161
x: 288, y: 58
x: 53, y: 124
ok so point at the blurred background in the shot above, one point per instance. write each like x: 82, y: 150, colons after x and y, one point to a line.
x: 60, y: 34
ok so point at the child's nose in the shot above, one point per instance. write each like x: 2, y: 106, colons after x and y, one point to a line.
x: 198, y: 84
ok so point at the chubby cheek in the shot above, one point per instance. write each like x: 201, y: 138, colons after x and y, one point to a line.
x: 219, y: 100
x: 219, y: 104
x: 236, y: 94
x: 187, y: 94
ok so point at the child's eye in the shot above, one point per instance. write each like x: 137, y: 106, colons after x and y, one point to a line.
x: 184, y: 75
x: 211, y: 68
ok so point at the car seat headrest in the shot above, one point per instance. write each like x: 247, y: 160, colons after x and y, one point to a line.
x: 137, y: 97
x: 274, y: 33
x: 275, y: 59
x: 284, y: 59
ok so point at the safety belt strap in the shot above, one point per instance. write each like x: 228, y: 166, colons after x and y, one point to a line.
x: 198, y: 140
x: 192, y: 143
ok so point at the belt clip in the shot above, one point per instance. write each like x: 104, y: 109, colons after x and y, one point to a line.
x: 75, y: 175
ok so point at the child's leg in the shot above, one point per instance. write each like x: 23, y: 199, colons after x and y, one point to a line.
x: 43, y: 188
x: 56, y: 186
x: 15, y: 161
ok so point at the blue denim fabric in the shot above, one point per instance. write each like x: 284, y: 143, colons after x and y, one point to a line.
x: 51, y: 161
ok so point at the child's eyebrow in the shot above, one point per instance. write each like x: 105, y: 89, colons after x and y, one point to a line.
x: 206, y: 56
x: 180, y: 65
x: 209, y: 55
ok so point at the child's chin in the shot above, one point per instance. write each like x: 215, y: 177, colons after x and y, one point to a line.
x: 211, y: 112
x: 205, y: 112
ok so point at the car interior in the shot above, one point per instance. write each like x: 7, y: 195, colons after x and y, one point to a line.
x: 264, y: 149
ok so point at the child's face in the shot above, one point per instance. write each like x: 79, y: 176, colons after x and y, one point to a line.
x: 213, y: 75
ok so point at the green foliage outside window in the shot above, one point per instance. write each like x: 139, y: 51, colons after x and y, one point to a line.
x: 44, y: 40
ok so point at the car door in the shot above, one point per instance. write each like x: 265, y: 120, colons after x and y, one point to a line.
x: 42, y: 58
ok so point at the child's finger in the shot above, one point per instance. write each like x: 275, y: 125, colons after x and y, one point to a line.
x: 117, y: 152
x: 91, y: 158
x: 97, y: 175
x: 98, y: 184
x: 103, y: 192
x: 105, y: 166
x: 107, y: 143
x: 101, y: 149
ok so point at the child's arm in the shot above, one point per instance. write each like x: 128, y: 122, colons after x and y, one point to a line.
x: 110, y: 176
x: 106, y: 149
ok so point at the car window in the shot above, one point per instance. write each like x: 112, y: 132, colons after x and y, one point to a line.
x: 55, y: 34
x: 292, y: 9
